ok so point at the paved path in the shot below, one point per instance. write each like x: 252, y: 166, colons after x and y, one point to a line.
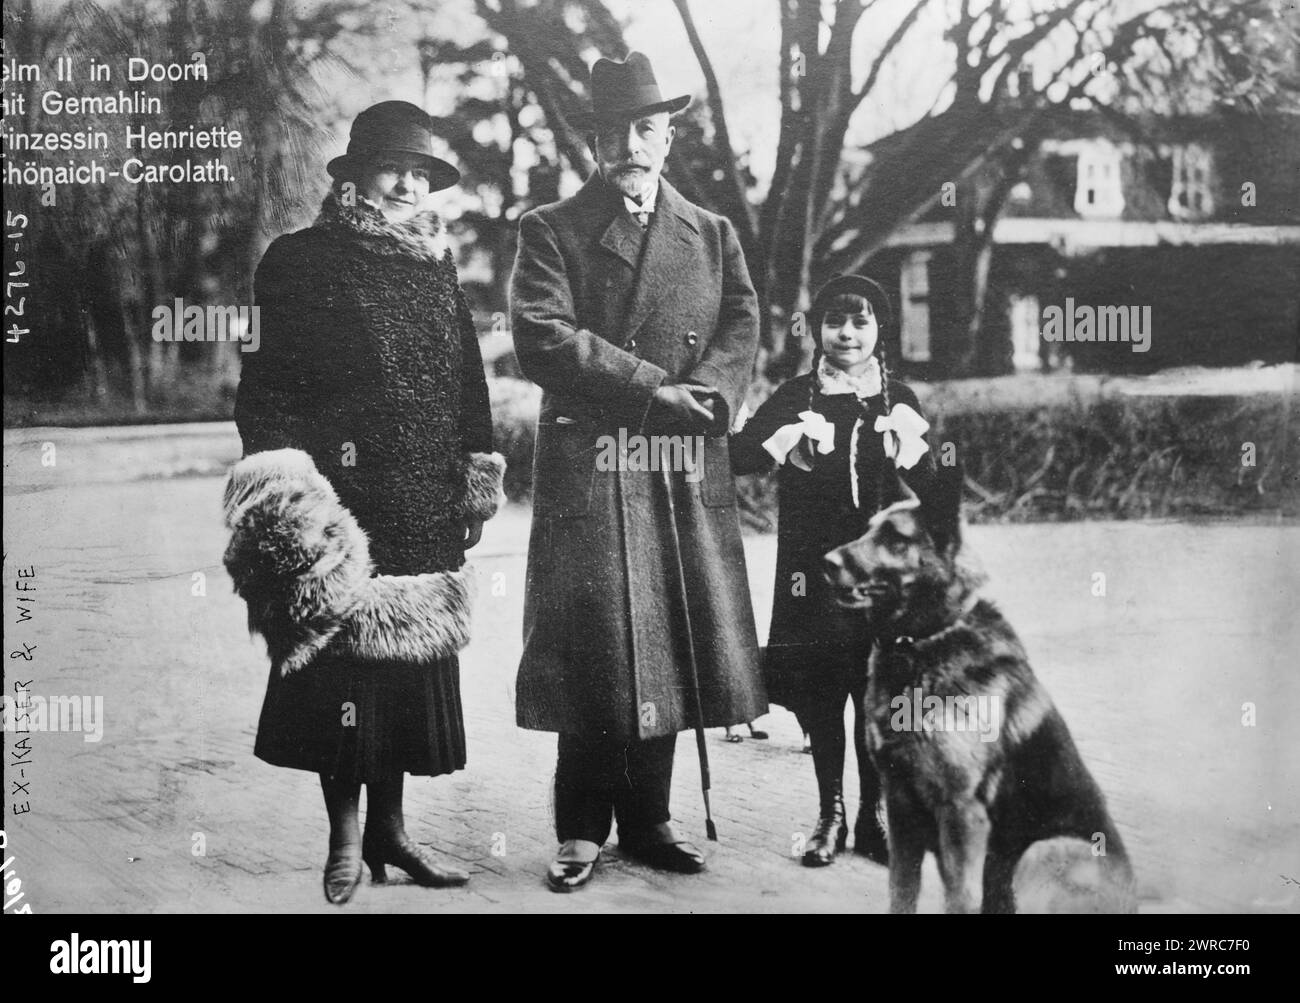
x: 1196, y: 621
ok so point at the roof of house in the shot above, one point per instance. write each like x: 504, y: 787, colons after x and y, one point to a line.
x: 1263, y: 152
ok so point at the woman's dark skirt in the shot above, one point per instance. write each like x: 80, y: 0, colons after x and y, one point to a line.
x: 364, y: 722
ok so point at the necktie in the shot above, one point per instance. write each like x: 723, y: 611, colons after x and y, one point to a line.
x: 640, y: 209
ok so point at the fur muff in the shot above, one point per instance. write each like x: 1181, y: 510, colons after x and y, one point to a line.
x: 484, y: 485
x: 301, y: 562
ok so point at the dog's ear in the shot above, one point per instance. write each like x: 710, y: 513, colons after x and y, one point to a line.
x: 941, y: 508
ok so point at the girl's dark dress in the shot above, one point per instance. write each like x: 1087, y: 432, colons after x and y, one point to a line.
x: 815, y: 650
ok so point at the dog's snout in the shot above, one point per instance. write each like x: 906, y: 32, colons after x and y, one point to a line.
x: 843, y: 564
x: 839, y: 568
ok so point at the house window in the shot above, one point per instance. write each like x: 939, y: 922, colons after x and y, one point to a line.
x: 914, y: 290
x: 1192, y: 194
x: 1024, y: 333
x: 1099, y: 193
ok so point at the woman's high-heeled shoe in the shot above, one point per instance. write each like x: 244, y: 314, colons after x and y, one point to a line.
x: 342, y: 874
x: 414, y: 860
x: 829, y: 837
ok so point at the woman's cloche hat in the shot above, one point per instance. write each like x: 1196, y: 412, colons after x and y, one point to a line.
x: 622, y: 91
x: 392, y: 127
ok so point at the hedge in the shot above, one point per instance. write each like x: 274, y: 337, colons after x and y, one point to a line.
x: 1117, y: 457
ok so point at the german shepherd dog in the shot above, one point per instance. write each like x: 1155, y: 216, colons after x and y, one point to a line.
x: 975, y: 760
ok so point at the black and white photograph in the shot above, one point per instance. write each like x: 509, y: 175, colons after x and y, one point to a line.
x: 598, y: 457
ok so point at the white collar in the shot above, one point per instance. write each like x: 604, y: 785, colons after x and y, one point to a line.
x: 648, y: 200
x: 831, y: 381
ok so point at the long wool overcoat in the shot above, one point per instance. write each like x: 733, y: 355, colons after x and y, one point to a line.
x: 603, y: 314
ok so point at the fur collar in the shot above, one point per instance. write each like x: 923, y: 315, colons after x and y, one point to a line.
x: 421, y: 238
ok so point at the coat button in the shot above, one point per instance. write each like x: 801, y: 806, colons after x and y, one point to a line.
x: 692, y: 338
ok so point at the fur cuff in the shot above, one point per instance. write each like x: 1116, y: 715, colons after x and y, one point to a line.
x: 301, y: 562
x: 484, y: 491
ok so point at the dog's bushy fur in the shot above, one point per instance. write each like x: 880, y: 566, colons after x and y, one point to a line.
x: 978, y: 804
x: 301, y: 562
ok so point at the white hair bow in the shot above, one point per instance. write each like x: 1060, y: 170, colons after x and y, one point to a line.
x: 783, y: 441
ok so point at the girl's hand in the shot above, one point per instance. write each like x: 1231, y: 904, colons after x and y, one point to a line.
x: 804, y: 454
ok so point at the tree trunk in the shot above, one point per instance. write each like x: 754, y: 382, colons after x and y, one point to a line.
x: 135, y: 363
x: 979, y: 206
x: 98, y: 372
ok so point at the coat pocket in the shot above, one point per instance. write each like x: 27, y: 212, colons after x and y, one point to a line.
x: 564, y: 466
x: 719, y: 487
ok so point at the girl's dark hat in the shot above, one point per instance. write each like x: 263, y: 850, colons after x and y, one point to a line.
x: 392, y: 127
x: 853, y: 285
x: 623, y: 91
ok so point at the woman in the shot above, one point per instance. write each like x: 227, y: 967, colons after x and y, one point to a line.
x: 837, y: 469
x: 369, y: 363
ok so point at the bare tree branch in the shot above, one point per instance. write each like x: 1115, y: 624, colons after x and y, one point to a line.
x: 738, y: 205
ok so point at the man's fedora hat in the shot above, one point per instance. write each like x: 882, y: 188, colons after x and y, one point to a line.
x: 623, y: 91
x: 392, y: 127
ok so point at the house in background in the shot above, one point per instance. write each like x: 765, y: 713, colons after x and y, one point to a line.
x: 1197, y: 219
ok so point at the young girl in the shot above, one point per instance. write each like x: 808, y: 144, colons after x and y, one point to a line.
x: 837, y: 433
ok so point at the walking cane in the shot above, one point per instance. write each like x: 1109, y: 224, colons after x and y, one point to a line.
x: 710, y: 829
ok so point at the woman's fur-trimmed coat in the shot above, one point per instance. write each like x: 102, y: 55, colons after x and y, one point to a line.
x: 369, y: 363
x: 367, y: 440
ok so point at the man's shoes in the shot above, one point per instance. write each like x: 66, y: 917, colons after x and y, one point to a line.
x: 681, y: 858
x: 663, y: 849
x: 573, y: 866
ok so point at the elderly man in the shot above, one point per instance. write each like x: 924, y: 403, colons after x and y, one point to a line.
x: 633, y: 310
